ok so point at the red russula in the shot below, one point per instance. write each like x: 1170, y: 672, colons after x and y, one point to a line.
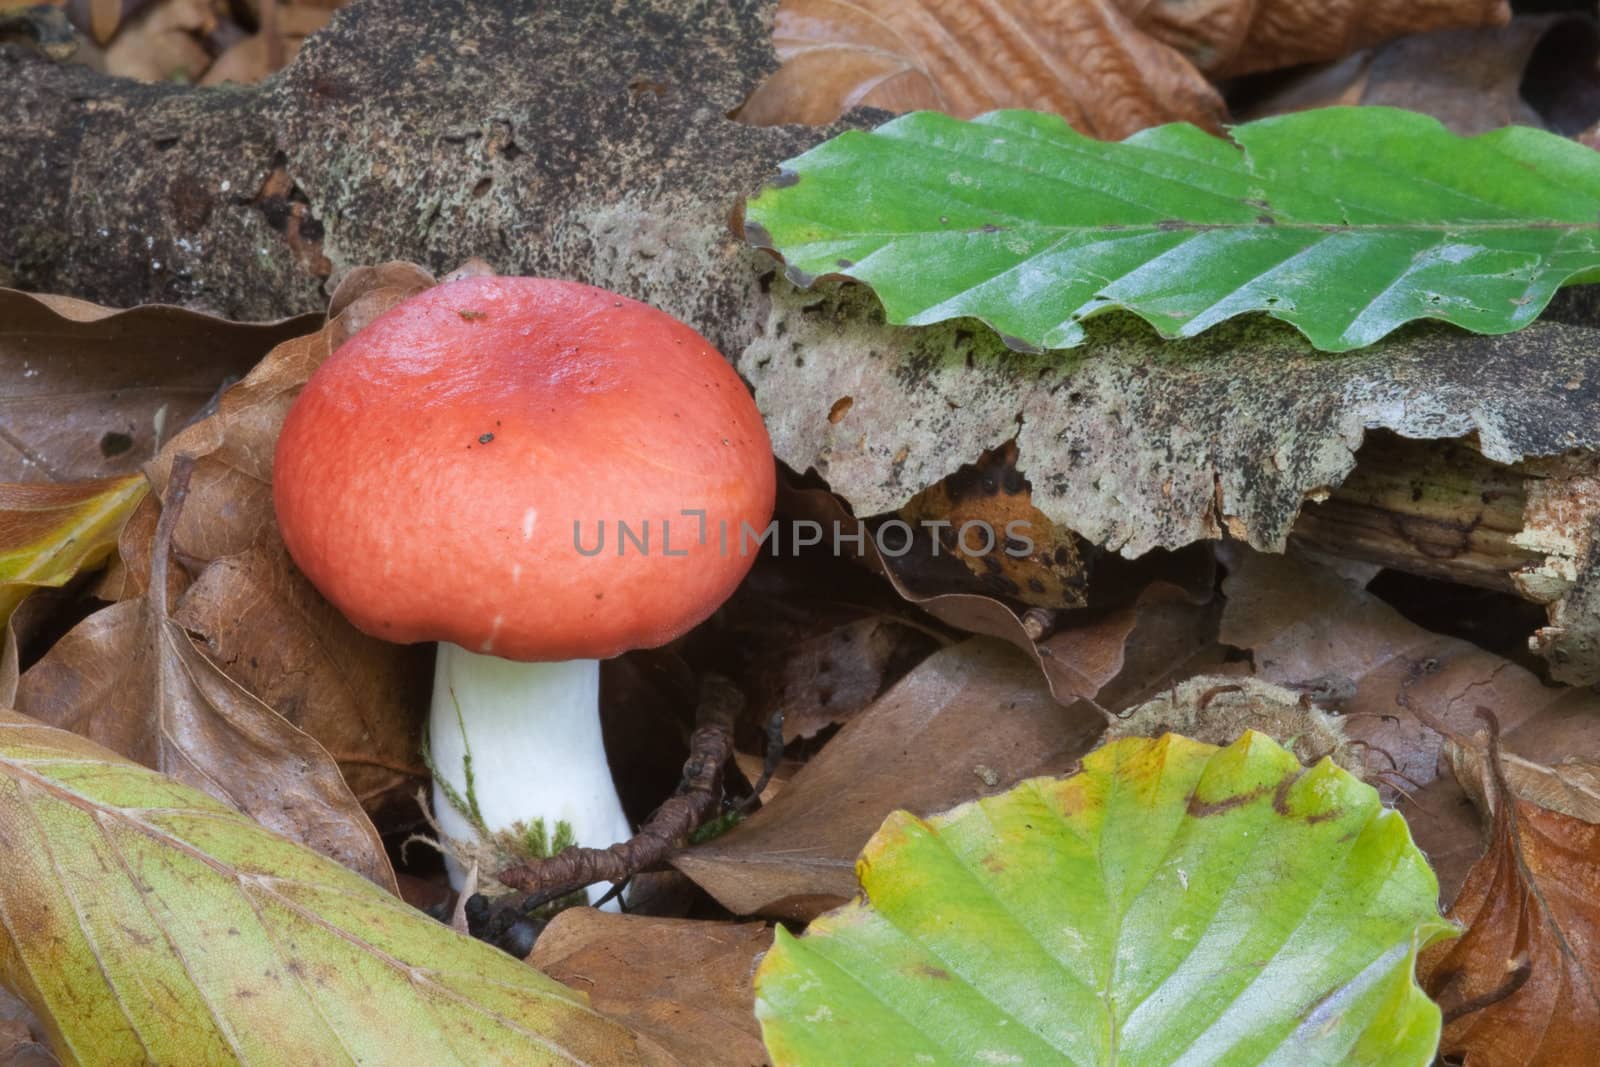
x: 438, y: 472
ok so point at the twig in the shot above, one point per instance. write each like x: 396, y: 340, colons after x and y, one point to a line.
x: 771, y: 759
x: 698, y: 798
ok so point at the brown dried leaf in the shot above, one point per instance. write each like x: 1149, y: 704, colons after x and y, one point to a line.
x: 1227, y: 38
x: 1311, y: 630
x: 132, y: 679
x: 273, y: 634
x: 264, y: 625
x: 1571, y: 787
x: 1522, y: 985
x: 270, y: 50
x: 89, y: 392
x: 1081, y: 59
x: 1471, y: 80
x: 831, y: 676
x: 680, y: 983
x: 983, y: 516
x: 969, y: 721
x: 164, y: 42
x: 1142, y: 642
x: 817, y: 639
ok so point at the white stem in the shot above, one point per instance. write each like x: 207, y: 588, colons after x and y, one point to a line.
x: 533, y: 733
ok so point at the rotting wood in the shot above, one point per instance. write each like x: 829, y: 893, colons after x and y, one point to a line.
x: 1440, y: 509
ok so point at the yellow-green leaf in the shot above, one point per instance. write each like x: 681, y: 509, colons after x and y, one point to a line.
x: 144, y: 922
x: 1172, y: 903
x: 51, y: 531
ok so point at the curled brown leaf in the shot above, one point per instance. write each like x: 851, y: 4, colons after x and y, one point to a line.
x: 1522, y: 985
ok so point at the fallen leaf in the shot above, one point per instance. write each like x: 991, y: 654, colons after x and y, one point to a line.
x: 144, y: 922
x: 1522, y: 985
x: 1083, y: 60
x: 21, y: 1036
x: 164, y: 42
x: 830, y: 677
x: 681, y: 983
x: 1312, y: 630
x: 51, y: 532
x: 1470, y: 79
x: 967, y: 721
x: 271, y: 632
x: 89, y: 392
x: 1226, y: 38
x: 1570, y: 787
x: 264, y: 625
x: 1165, y: 626
x: 1172, y: 902
x: 131, y: 678
x: 983, y: 516
x: 269, y: 50
x: 816, y: 639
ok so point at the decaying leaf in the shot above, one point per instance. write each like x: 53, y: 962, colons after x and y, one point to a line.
x: 257, y: 616
x: 144, y: 922
x: 1167, y: 622
x: 22, y: 1039
x: 89, y: 392
x: 131, y: 678
x: 270, y: 49
x: 164, y: 42
x: 50, y: 532
x: 680, y: 983
x: 1315, y: 632
x: 1570, y: 787
x: 983, y: 516
x: 813, y: 636
x: 1522, y: 985
x: 268, y: 630
x: 1170, y: 903
x: 1083, y: 60
x: 1311, y: 630
x: 967, y: 721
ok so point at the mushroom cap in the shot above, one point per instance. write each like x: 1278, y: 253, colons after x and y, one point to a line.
x: 439, y: 472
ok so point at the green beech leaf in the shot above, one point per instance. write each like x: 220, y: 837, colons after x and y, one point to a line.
x: 145, y: 922
x: 49, y: 532
x: 1346, y: 222
x: 1173, y: 903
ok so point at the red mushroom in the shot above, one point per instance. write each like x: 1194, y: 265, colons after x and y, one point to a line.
x: 537, y: 474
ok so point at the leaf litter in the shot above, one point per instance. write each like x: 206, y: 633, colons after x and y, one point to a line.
x: 885, y: 706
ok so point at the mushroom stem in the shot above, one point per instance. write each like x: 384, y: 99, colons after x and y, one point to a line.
x: 521, y: 742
